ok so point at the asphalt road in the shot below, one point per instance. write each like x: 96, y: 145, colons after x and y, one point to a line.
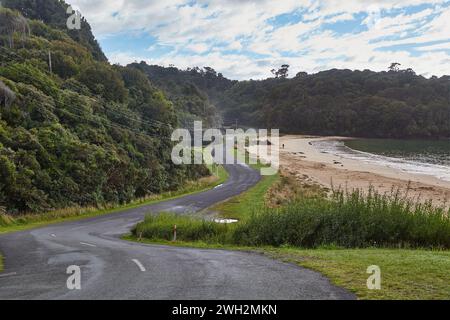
x: 36, y: 261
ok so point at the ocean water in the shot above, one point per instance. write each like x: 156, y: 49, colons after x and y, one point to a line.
x: 413, y: 156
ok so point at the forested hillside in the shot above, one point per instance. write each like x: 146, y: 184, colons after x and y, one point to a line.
x: 394, y: 104
x: 81, y: 132
x: 195, y: 92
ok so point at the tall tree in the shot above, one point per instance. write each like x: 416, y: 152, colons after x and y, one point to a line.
x: 395, y: 67
x: 283, y: 72
x: 7, y: 96
x: 12, y: 22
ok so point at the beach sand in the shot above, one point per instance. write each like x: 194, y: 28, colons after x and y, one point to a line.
x: 300, y: 158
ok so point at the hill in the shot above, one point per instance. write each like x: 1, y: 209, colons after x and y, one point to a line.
x: 394, y: 104
x: 81, y: 132
x: 194, y: 91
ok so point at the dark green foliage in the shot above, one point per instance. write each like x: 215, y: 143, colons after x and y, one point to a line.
x: 160, y: 227
x: 7, y: 96
x: 396, y: 104
x: 343, y: 102
x: 193, y: 91
x: 104, y: 81
x: 27, y: 73
x: 54, y: 14
x: 353, y: 220
x: 11, y: 22
x: 87, y: 133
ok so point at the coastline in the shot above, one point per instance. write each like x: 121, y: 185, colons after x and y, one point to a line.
x: 300, y: 158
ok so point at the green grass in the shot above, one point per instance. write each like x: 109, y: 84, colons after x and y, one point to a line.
x: 160, y: 226
x: 405, y: 274
x: 1, y: 263
x: 25, y: 222
x: 353, y: 220
x: 243, y: 205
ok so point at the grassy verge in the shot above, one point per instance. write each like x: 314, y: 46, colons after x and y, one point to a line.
x: 352, y: 221
x: 405, y: 274
x: 243, y: 205
x: 30, y: 221
x: 254, y: 199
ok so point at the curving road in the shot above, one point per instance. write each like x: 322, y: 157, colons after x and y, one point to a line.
x: 36, y: 260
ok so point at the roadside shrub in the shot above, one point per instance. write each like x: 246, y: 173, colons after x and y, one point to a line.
x: 348, y: 220
x: 353, y: 220
x: 160, y: 227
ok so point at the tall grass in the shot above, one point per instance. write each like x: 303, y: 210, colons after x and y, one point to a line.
x: 351, y: 220
x: 161, y: 227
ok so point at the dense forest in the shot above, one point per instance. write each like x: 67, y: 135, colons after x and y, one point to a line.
x: 392, y: 104
x: 75, y: 130
x: 194, y: 91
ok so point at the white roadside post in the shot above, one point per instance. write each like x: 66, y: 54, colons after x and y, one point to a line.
x: 175, y: 233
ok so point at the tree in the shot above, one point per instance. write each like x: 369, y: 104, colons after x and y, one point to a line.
x: 12, y: 22
x: 210, y: 71
x: 282, y: 72
x: 7, y: 96
x: 395, y: 67
x: 103, y: 80
x: 410, y: 71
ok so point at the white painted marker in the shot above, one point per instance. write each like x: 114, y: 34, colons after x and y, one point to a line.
x: 8, y: 274
x: 87, y: 244
x: 141, y: 267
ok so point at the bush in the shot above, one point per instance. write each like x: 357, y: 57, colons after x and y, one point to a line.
x: 103, y: 80
x: 349, y: 220
x: 160, y: 227
x: 26, y: 73
x: 352, y: 220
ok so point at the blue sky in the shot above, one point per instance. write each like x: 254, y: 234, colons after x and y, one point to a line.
x: 245, y: 39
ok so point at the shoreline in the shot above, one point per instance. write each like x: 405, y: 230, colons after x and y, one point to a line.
x: 300, y: 158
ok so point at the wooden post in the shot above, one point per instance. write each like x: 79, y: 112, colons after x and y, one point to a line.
x: 50, y: 61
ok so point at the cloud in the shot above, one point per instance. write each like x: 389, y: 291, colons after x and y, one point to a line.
x: 198, y: 47
x: 246, y: 38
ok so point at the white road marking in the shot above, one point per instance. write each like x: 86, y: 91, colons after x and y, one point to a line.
x: 53, y: 235
x: 87, y: 244
x: 8, y: 274
x: 217, y: 187
x: 141, y: 267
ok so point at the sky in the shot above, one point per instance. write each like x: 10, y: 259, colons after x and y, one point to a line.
x: 245, y: 39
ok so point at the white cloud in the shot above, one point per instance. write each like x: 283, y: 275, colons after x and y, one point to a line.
x: 201, y: 33
x: 436, y: 47
x: 198, y: 47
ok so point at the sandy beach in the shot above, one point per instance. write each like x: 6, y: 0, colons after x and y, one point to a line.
x: 300, y: 158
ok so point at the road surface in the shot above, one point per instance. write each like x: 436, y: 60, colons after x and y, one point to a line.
x: 36, y: 260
